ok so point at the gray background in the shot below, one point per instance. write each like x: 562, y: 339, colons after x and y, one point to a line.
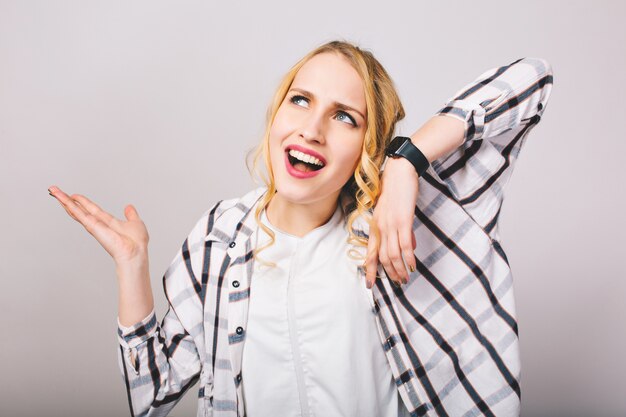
x: 156, y: 103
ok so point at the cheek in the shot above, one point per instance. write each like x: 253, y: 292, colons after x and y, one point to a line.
x: 350, y: 157
x: 277, y: 135
x: 276, y: 153
x: 280, y: 129
x: 355, y: 160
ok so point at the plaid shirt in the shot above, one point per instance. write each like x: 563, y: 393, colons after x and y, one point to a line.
x: 450, y: 334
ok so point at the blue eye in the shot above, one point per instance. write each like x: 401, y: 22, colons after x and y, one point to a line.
x: 341, y: 115
x: 295, y: 99
x: 347, y: 117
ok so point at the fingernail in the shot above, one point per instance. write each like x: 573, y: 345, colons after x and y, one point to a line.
x: 50, y: 193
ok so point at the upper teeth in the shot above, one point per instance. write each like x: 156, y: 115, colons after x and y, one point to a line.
x: 305, y: 157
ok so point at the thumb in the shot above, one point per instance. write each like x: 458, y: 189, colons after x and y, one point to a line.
x: 131, y: 213
x: 371, y: 262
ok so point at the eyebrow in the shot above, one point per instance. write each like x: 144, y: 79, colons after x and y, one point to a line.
x: 336, y: 103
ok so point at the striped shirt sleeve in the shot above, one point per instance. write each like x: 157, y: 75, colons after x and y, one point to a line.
x: 160, y: 362
x: 499, y: 109
x: 501, y: 98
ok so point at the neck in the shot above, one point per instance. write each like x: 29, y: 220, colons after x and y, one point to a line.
x: 298, y: 219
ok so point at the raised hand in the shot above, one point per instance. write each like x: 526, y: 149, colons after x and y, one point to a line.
x: 126, y: 241
x: 391, y: 232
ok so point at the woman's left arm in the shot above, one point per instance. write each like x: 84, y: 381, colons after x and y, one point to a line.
x: 394, y: 211
x: 498, y: 100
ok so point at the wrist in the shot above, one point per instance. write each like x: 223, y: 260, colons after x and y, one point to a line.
x: 402, y: 147
x: 399, y: 170
x: 402, y: 165
x: 136, y: 261
x: 422, y: 143
x: 438, y: 137
x: 133, y: 269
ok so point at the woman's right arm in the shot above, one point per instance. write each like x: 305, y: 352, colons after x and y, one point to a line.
x: 159, y: 362
x: 126, y: 242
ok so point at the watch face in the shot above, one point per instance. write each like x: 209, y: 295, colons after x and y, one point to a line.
x: 395, y: 144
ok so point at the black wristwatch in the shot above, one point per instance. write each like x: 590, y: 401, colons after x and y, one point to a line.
x: 401, y: 146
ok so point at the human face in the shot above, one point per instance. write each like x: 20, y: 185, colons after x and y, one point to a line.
x: 323, y: 115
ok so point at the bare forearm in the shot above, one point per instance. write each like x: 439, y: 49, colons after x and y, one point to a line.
x: 135, y: 293
x: 439, y: 136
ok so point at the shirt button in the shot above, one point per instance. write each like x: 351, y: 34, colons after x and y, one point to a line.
x: 236, y: 284
x: 540, y: 106
x: 232, y: 244
x: 239, y: 330
x: 390, y: 342
x: 239, y: 378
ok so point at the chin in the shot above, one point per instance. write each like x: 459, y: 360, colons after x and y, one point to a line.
x: 299, y: 194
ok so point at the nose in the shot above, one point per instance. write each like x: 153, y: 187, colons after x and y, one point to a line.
x: 313, y: 128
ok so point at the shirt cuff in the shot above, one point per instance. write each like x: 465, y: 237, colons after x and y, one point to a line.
x: 469, y: 112
x: 131, y: 337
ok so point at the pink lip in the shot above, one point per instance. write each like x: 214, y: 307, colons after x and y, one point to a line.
x: 298, y: 174
x: 306, y: 151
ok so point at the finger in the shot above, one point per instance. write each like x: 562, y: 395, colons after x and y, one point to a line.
x: 71, y: 207
x: 68, y: 211
x: 371, y: 261
x: 107, y: 237
x: 383, y: 255
x: 395, y: 256
x: 131, y: 213
x: 407, y: 238
x: 93, y: 209
x: 52, y: 190
x: 90, y: 222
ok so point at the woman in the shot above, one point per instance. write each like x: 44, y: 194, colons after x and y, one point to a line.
x: 322, y: 335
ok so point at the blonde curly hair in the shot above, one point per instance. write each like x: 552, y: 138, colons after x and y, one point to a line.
x: 384, y: 110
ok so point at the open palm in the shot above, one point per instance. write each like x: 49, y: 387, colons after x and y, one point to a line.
x: 125, y: 240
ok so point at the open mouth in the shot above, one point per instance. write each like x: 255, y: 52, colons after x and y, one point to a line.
x: 303, y: 162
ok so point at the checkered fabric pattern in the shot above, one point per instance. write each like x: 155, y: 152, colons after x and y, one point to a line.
x: 450, y: 334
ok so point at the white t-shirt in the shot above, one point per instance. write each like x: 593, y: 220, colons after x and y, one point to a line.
x: 312, y: 346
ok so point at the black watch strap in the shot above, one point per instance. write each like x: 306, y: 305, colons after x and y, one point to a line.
x: 401, y: 146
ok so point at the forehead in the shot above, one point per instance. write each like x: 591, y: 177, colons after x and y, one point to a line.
x: 331, y: 77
